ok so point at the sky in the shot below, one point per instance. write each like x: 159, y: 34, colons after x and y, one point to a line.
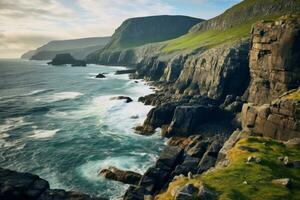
x: 28, y: 24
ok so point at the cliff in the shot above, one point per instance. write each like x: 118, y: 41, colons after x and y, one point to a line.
x: 274, y: 59
x: 79, y: 48
x: 209, y: 161
x: 139, y: 31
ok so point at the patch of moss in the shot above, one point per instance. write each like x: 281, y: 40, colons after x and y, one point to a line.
x: 229, y: 182
x: 293, y: 96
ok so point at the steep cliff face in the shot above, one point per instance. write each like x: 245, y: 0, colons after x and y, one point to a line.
x: 143, y: 30
x: 279, y: 120
x: 248, y: 10
x: 274, y: 59
x: 133, y: 33
x: 216, y: 72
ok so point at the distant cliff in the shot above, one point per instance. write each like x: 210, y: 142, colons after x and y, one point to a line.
x: 78, y: 48
x: 139, y: 31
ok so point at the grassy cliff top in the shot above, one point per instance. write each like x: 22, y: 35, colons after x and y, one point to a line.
x: 233, y: 25
x: 229, y: 182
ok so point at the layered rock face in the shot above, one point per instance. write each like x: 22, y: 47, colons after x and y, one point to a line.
x: 215, y: 72
x: 279, y: 120
x: 274, y: 59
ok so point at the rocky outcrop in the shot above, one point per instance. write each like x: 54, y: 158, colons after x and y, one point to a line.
x: 127, y: 99
x: 64, y: 59
x: 279, y: 120
x: 274, y: 59
x: 216, y: 72
x: 188, y: 119
x: 127, y: 177
x: 20, y: 186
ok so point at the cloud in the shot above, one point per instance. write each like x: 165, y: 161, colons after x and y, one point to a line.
x: 26, y: 25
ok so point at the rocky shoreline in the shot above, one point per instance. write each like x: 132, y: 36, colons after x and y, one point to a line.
x: 206, y: 107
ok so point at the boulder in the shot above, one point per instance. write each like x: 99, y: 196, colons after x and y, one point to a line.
x: 57, y: 194
x: 15, y: 185
x: 158, y: 116
x: 186, y: 192
x: 19, y: 186
x: 206, y: 194
x: 135, y: 193
x: 127, y: 99
x: 100, y: 75
x: 170, y: 156
x: 286, y: 182
x: 198, y: 149
x: 127, y: 177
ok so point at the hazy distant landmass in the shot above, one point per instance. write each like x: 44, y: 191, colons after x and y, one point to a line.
x: 78, y: 48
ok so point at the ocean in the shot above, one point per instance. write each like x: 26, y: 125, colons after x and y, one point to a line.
x: 58, y: 122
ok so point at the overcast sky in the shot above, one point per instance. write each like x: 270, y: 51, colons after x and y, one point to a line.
x: 28, y: 24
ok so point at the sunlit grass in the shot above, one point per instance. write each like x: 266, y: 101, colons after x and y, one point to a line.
x: 228, y: 182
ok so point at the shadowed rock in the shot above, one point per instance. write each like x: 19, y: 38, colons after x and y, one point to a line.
x: 127, y: 177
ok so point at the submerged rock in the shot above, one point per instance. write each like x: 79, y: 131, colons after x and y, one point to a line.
x: 127, y: 177
x: 127, y: 99
x: 100, y: 75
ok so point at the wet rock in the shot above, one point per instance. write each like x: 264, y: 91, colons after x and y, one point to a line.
x: 135, y: 193
x: 158, y: 116
x: 127, y: 99
x: 286, y: 182
x: 127, y: 71
x: 15, y: 185
x: 19, y: 186
x: 57, y: 194
x: 127, y: 177
x: 100, y: 75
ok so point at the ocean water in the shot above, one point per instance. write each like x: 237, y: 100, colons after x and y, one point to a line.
x: 59, y: 123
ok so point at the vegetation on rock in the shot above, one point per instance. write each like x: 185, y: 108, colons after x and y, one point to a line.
x: 242, y: 180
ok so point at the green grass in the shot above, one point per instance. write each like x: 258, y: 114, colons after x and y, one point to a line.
x: 293, y: 96
x: 212, y: 38
x: 228, y: 182
x: 209, y: 38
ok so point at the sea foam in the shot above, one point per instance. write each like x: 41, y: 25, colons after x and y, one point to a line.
x: 60, y: 96
x: 42, y: 134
